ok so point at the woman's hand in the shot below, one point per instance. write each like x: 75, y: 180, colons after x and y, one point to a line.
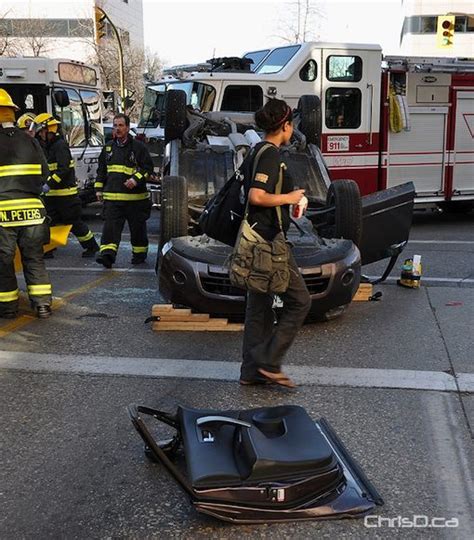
x: 294, y: 197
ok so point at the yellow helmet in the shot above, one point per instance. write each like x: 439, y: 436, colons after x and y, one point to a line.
x: 6, y: 100
x: 25, y: 120
x: 45, y: 120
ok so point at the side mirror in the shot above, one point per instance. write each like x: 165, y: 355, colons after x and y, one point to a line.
x: 61, y: 98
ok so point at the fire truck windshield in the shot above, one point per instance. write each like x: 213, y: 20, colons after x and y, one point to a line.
x: 200, y: 96
x: 277, y: 59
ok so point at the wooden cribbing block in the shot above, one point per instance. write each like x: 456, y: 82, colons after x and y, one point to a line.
x: 173, y: 319
x: 364, y: 292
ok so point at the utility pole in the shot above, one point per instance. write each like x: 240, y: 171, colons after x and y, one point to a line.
x: 100, y: 31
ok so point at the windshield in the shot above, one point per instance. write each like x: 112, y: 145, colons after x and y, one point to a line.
x: 200, y: 96
x: 256, y: 57
x: 277, y: 59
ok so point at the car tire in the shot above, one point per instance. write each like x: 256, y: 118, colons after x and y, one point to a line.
x: 174, y: 208
x: 175, y: 115
x: 344, y: 195
x: 309, y: 107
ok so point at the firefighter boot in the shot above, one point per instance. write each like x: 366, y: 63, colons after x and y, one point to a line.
x: 90, y: 252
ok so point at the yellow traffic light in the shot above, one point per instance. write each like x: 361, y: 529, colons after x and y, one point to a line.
x: 100, y: 21
x: 445, y: 31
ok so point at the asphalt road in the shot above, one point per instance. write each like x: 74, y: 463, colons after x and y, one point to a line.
x: 395, y: 379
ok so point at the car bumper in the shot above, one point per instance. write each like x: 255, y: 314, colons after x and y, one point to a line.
x: 205, y: 287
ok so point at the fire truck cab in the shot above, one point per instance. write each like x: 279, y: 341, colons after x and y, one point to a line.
x: 70, y: 91
x: 381, y: 121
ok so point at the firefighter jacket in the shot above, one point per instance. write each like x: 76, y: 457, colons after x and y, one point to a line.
x: 62, y: 178
x: 23, y: 171
x: 118, y: 163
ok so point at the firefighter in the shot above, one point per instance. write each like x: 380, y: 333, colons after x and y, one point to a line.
x: 124, y: 166
x: 23, y: 170
x: 25, y: 121
x: 62, y: 200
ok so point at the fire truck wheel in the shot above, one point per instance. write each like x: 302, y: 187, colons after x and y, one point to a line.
x: 174, y: 208
x: 344, y: 195
x: 175, y: 114
x: 309, y: 107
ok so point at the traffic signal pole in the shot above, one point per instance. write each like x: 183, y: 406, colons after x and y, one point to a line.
x: 100, y: 17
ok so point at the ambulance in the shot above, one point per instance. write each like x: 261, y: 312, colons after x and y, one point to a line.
x: 381, y: 121
x: 69, y: 90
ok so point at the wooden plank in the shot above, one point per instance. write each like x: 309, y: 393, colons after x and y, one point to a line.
x: 161, y: 308
x: 364, y: 292
x: 183, y: 317
x: 195, y: 326
x: 166, y: 312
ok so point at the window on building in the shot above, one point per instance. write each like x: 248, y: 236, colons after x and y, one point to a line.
x: 427, y: 24
x: 344, y: 68
x: 48, y: 28
x: 242, y: 98
x: 343, y: 108
x: 309, y: 71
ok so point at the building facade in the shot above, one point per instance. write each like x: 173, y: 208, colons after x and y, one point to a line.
x: 65, y: 27
x: 419, y: 33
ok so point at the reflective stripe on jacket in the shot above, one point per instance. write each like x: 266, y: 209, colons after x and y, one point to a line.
x: 62, y: 178
x: 118, y: 163
x: 23, y: 171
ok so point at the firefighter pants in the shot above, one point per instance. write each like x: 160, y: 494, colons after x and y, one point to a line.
x: 68, y: 211
x: 30, y: 240
x: 136, y: 214
x: 265, y: 343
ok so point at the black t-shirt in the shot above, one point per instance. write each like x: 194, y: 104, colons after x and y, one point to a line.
x: 266, y: 178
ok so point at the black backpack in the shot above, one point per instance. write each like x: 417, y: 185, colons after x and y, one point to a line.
x: 223, y: 213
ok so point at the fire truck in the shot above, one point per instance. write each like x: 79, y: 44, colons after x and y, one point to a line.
x: 70, y: 91
x: 380, y: 121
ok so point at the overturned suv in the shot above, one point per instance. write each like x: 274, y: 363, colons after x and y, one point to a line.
x: 340, y: 231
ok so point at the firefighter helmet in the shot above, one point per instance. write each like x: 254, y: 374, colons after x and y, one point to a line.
x: 25, y: 120
x: 45, y: 120
x: 6, y: 100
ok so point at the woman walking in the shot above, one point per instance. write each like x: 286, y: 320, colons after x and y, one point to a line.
x: 265, y: 343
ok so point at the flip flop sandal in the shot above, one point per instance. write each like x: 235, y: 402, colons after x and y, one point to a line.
x: 255, y: 382
x: 277, y: 378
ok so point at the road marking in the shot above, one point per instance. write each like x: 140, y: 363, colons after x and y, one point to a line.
x: 101, y: 269
x: 229, y: 371
x: 58, y: 303
x: 424, y: 279
x: 441, y: 241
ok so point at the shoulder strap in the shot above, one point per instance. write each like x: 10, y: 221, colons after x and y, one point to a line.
x: 258, y: 155
x: 278, y: 192
x: 277, y: 188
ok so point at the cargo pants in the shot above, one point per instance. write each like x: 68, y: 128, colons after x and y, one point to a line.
x: 265, y: 343
x: 116, y: 213
x: 30, y: 240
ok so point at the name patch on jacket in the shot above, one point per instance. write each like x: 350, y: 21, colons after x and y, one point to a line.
x: 23, y: 216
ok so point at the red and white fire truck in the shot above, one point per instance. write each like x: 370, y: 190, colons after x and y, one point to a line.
x: 383, y: 120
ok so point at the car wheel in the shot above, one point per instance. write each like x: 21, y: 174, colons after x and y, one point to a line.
x: 175, y: 115
x: 174, y: 208
x: 346, y: 220
x: 309, y: 107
